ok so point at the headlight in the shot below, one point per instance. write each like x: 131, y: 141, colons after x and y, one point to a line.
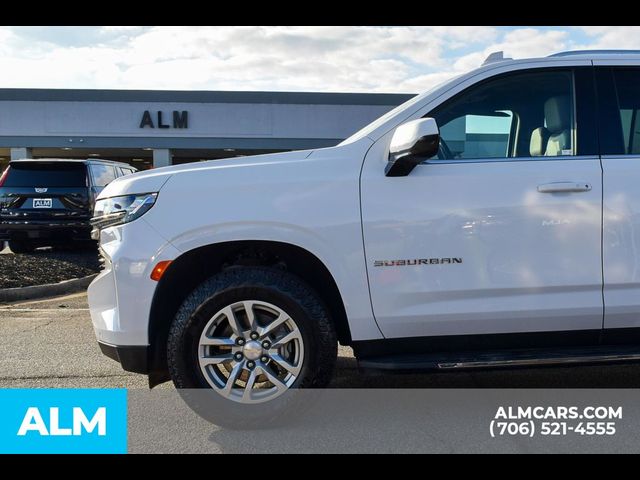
x: 109, y: 212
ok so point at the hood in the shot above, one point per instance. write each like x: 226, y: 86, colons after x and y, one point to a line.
x: 153, y: 180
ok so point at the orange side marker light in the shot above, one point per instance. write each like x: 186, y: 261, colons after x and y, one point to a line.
x: 159, y: 270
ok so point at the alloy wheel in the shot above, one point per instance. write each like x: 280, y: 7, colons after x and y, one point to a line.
x: 251, y: 351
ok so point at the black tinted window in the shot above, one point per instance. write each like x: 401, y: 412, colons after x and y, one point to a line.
x: 627, y: 89
x: 103, y: 175
x: 27, y: 174
x: 527, y: 114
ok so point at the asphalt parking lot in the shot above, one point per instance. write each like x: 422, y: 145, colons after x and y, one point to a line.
x: 51, y: 344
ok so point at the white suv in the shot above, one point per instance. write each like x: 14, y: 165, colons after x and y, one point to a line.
x: 492, y: 221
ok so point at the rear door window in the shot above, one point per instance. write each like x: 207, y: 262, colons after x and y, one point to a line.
x: 51, y: 175
x: 103, y: 175
x: 624, y: 110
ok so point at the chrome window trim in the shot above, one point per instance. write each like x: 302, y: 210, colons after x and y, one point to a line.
x: 620, y: 156
x: 512, y: 159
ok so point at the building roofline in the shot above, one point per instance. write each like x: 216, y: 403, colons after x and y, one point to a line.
x: 200, y: 96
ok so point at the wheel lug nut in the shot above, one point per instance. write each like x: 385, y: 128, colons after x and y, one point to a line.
x: 254, y: 335
x: 264, y: 359
x: 238, y: 356
x: 266, y: 345
x: 250, y: 365
x: 240, y: 341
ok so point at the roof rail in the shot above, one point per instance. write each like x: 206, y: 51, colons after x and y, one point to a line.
x: 495, y: 57
x: 595, y: 52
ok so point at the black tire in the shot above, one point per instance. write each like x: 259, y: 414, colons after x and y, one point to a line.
x: 77, y: 246
x: 279, y: 288
x: 21, y: 247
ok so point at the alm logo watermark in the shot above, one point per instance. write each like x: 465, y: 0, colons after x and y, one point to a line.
x: 63, y: 421
x: 33, y: 422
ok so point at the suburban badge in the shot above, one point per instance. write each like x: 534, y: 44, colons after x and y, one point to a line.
x: 417, y: 261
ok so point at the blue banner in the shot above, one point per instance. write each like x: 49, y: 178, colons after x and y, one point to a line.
x: 63, y: 421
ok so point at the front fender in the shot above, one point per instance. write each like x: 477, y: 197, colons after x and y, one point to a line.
x: 345, y: 265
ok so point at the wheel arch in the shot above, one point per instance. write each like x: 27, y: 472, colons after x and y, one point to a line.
x: 193, y: 267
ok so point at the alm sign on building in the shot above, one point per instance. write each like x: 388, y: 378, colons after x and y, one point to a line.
x: 180, y: 120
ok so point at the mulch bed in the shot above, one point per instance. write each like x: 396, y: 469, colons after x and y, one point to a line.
x: 46, y: 266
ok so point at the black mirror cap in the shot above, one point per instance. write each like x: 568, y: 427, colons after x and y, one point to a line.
x: 402, y: 164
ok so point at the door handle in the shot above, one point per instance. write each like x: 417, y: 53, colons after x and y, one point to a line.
x: 564, y: 187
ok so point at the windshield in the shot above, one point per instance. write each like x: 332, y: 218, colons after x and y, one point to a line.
x: 390, y: 114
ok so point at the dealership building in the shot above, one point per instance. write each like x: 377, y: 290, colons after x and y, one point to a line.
x: 159, y: 128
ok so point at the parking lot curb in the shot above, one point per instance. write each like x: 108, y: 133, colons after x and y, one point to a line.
x: 36, y: 292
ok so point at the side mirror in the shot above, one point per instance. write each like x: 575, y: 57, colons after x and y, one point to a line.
x: 412, y: 143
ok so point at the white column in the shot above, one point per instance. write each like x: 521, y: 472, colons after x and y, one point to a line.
x: 162, y: 157
x: 18, y: 153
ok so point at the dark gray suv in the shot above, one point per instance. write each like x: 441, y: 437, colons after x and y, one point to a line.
x: 49, y: 202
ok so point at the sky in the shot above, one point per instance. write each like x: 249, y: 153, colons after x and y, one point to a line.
x: 289, y: 58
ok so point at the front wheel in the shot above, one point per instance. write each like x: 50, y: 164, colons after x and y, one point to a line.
x: 250, y: 336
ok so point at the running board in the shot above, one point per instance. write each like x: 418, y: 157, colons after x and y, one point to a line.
x: 503, y: 359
